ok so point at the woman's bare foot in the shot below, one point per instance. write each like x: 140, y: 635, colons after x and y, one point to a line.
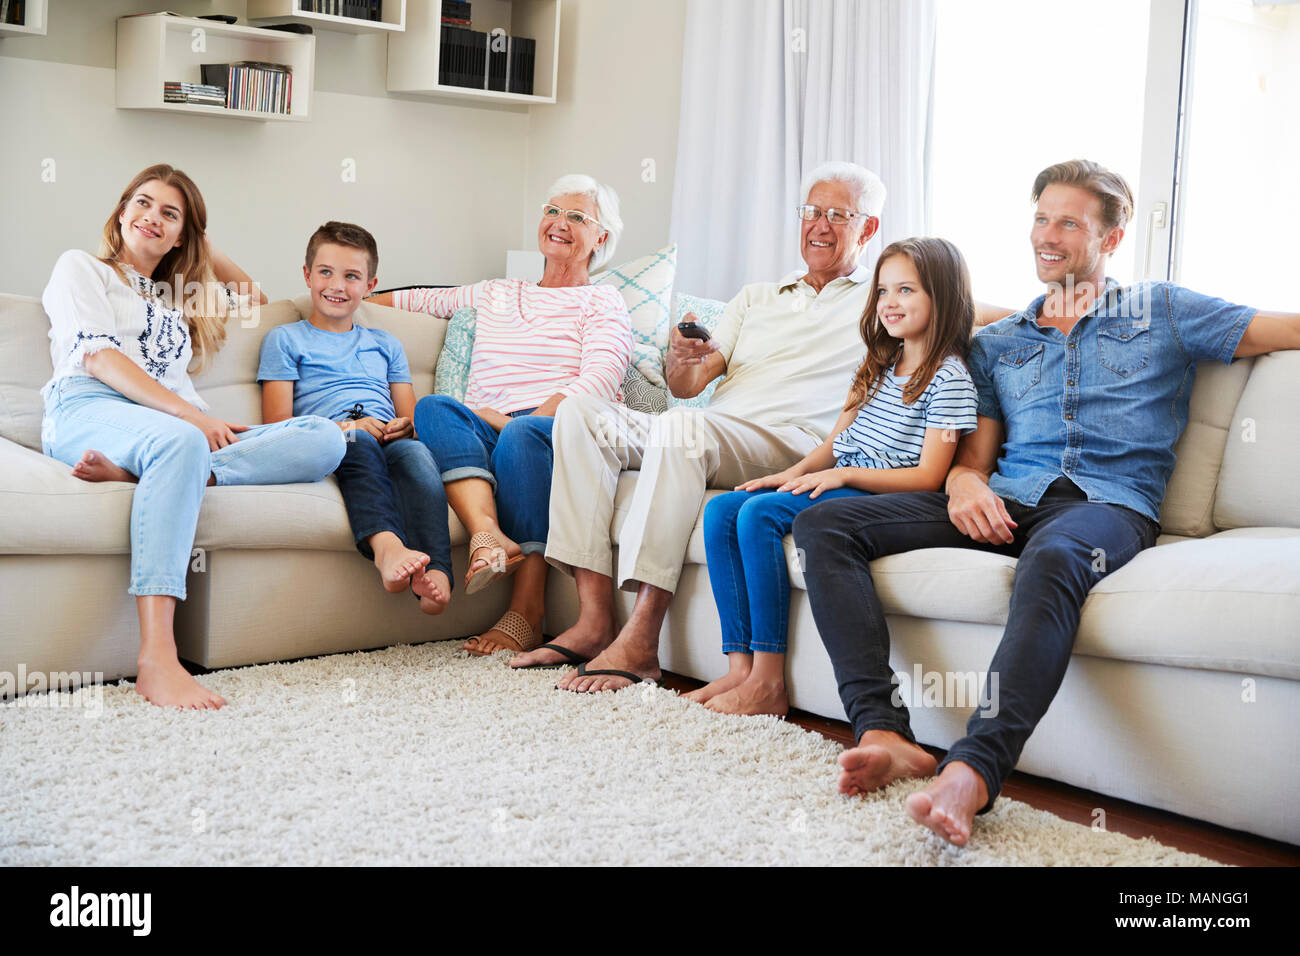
x: 93, y: 466
x: 483, y: 557
x: 753, y: 696
x: 948, y: 805
x: 395, y: 561
x: 736, y: 675
x: 494, y: 639
x: 168, y: 684
x: 880, y: 758
x: 433, y: 589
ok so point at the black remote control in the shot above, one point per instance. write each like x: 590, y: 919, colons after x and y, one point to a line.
x: 223, y: 17
x: 288, y: 27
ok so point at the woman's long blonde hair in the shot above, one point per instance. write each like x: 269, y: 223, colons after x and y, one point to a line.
x: 945, y: 278
x: 181, y: 268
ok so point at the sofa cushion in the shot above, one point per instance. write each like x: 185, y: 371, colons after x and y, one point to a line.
x: 451, y: 377
x: 24, y: 368
x: 1228, y: 602
x: 1258, y: 485
x: 646, y: 285
x: 1189, y: 497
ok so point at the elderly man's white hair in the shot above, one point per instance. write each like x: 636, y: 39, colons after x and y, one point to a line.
x: 578, y: 184
x: 868, y: 190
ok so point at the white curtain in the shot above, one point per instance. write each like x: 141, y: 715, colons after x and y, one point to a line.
x: 772, y: 88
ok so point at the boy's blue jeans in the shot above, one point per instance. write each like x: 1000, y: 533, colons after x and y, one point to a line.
x: 172, y: 461
x: 465, y: 446
x: 395, y: 487
x: 743, y: 531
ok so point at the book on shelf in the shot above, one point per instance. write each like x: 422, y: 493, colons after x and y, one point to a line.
x: 455, y: 10
x: 13, y: 12
x: 250, y: 85
x: 352, y: 9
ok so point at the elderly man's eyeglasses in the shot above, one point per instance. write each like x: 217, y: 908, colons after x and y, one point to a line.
x: 836, y: 217
x: 577, y: 217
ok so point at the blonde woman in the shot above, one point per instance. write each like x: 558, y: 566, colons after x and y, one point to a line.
x: 125, y: 327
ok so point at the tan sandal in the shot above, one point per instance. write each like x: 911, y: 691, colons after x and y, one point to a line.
x: 477, y: 580
x: 516, y: 627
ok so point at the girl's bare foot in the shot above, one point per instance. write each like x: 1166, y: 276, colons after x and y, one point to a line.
x: 735, y: 676
x: 949, y: 804
x: 880, y: 758
x: 753, y: 696
x: 395, y: 561
x: 93, y: 466
x: 168, y: 684
x: 433, y: 589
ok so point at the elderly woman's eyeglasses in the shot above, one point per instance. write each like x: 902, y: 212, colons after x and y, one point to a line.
x: 575, y: 216
x: 836, y: 217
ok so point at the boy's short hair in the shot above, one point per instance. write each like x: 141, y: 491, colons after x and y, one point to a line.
x: 344, y: 234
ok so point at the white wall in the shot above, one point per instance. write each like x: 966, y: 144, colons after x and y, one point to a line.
x: 619, y: 98
x: 444, y: 187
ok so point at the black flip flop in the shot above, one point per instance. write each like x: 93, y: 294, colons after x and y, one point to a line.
x: 636, y: 679
x: 573, y: 658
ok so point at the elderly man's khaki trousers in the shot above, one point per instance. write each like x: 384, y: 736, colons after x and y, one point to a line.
x: 679, y: 454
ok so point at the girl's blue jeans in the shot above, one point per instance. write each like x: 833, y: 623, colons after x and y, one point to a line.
x: 743, y: 532
x: 172, y: 461
x: 516, y: 462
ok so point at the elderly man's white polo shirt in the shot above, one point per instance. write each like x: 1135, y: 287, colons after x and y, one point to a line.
x: 791, y: 352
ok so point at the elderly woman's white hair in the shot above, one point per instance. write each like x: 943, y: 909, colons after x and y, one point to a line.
x: 578, y: 184
x: 868, y: 190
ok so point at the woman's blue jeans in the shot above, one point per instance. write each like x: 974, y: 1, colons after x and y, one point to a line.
x: 743, y: 532
x: 172, y: 461
x: 465, y: 446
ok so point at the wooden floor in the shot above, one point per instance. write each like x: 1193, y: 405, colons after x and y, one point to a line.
x: 1077, y: 805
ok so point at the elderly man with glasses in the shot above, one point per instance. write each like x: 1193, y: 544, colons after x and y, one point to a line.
x: 785, y: 351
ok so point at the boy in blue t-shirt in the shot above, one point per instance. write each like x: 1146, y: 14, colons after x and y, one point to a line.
x: 358, y: 377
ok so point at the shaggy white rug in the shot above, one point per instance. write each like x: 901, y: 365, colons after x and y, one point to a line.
x: 423, y: 755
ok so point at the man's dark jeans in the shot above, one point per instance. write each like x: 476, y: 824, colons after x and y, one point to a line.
x: 395, y: 487
x: 1065, y: 545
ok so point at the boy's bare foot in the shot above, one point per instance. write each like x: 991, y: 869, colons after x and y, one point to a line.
x: 581, y: 638
x: 729, y: 680
x: 948, y: 805
x: 93, y: 466
x: 433, y: 589
x: 168, y: 684
x: 752, y: 697
x: 880, y: 758
x: 395, y: 561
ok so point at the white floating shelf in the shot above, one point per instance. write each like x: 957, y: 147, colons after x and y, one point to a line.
x: 290, y: 11
x: 36, y: 15
x: 157, y: 49
x: 413, y: 56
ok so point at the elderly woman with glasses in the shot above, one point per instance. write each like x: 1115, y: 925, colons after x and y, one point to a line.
x: 535, y: 344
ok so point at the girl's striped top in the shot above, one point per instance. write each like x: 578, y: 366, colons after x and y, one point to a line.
x: 889, y: 434
x: 531, y: 342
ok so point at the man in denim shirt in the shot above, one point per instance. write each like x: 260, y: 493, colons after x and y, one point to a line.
x: 1082, y: 397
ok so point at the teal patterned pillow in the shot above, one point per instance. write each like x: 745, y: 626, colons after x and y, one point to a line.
x: 451, y: 375
x: 708, y: 312
x: 647, y: 287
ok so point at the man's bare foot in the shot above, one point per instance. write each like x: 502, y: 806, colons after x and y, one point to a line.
x: 93, y: 466
x: 396, y: 562
x: 752, y: 697
x: 948, y: 805
x: 729, y: 680
x: 168, y: 684
x: 880, y: 758
x: 433, y: 589
x: 619, y: 656
x: 524, y: 623
x: 582, y: 639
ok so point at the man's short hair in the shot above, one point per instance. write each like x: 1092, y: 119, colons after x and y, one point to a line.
x: 1116, y: 198
x: 344, y: 234
x: 868, y: 190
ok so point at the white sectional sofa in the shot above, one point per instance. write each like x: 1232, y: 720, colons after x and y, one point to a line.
x: 1183, y: 693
